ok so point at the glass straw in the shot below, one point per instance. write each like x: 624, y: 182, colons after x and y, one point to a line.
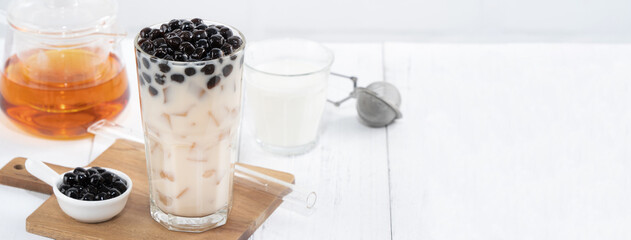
x: 298, y: 200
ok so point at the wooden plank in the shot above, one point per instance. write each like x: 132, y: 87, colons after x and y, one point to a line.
x: 250, y: 207
x: 505, y: 141
x: 348, y: 168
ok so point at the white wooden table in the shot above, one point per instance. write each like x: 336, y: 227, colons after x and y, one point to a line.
x: 497, y: 141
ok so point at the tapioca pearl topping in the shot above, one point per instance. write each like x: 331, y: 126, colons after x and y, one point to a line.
x: 226, y: 49
x: 144, y: 33
x: 215, y: 53
x: 159, y: 42
x: 197, y: 21
x: 212, y: 82
x: 189, y: 71
x: 199, y: 54
x: 211, y: 30
x: 202, y: 43
x: 177, y: 78
x: 184, y: 36
x: 199, y: 34
x: 180, y: 56
x: 187, y: 25
x: 234, y: 41
x: 174, y: 41
x: 216, y: 41
x: 225, y: 32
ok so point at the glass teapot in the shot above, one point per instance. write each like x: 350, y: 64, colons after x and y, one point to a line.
x: 62, y: 69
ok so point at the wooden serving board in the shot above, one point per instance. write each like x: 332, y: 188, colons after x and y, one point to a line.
x: 249, y: 210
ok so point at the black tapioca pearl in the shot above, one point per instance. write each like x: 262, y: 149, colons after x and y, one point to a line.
x: 187, y: 47
x: 199, y: 34
x: 153, y: 59
x: 226, y: 49
x: 164, y: 67
x: 202, y: 43
x: 188, y: 25
x: 155, y: 33
x: 165, y: 28
x: 208, y: 69
x: 225, y: 32
x: 146, y: 77
x: 174, y: 41
x: 180, y: 56
x: 211, y: 30
x: 227, y: 70
x: 233, y: 57
x: 234, y: 41
x: 215, y: 53
x: 174, y: 24
x: 142, y: 40
x: 146, y: 63
x: 161, y: 53
x: 216, y: 41
x: 197, y: 21
x: 177, y: 78
x: 153, y: 91
x: 186, y: 36
x: 189, y: 71
x: 160, y: 78
x: 159, y: 42
x: 212, y: 82
x: 145, y: 32
x: 198, y: 54
x: 147, y: 46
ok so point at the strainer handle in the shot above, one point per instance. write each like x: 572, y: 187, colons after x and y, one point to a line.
x: 350, y: 95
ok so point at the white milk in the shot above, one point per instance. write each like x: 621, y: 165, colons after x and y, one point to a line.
x: 286, y: 110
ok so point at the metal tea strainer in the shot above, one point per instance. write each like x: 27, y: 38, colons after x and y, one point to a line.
x: 377, y: 105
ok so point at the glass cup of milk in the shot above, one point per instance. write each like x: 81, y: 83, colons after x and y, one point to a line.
x: 286, y: 82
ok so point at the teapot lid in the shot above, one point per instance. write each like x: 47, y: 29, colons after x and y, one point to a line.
x: 65, y: 18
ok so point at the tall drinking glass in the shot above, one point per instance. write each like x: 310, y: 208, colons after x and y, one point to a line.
x: 191, y: 113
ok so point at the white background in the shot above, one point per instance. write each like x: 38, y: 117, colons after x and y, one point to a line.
x: 407, y: 20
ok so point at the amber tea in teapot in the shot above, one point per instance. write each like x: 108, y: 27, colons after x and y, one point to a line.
x: 63, y: 96
x: 62, y: 69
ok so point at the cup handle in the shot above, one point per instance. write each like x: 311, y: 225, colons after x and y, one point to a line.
x: 350, y: 95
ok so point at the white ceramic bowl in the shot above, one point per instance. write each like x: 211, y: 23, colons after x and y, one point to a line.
x: 93, y: 211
